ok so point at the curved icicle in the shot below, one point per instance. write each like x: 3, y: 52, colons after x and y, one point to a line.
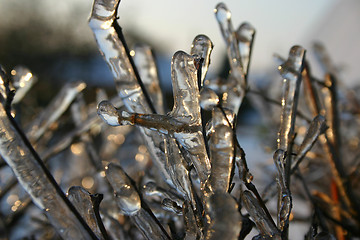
x: 284, y: 196
x: 316, y: 128
x: 187, y: 110
x: 129, y: 202
x: 202, y: 47
x: 236, y: 84
x: 245, y: 36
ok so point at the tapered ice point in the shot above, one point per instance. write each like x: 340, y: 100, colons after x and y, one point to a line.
x: 234, y: 88
x: 245, y: 37
x: 291, y: 73
x: 23, y: 80
x: 223, y: 16
x: 223, y: 219
x: 81, y: 199
x: 263, y: 223
x: 317, y: 127
x: 202, y: 47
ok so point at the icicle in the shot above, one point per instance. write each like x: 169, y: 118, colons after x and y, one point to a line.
x: 191, y: 227
x: 146, y: 66
x: 284, y: 201
x: 236, y: 85
x: 187, y: 110
x: 243, y: 169
x: 223, y: 218
x: 23, y: 80
x: 36, y: 182
x: 202, y: 47
x: 317, y: 127
x: 129, y: 89
x: 245, y: 36
x: 265, y: 225
x: 81, y: 199
x: 54, y: 110
x: 129, y: 202
x: 291, y: 73
x: 177, y: 168
x: 222, y: 157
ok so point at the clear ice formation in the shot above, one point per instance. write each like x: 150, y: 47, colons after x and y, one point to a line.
x: 197, y: 162
x: 81, y: 199
x: 129, y: 202
x: 201, y: 48
x: 223, y: 219
x: 291, y: 73
x: 35, y: 181
x: 23, y: 80
x: 54, y: 110
x: 317, y: 127
x: 236, y: 84
x: 266, y: 227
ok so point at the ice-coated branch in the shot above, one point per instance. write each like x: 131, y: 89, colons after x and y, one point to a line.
x: 236, y: 84
x: 291, y: 73
x: 145, y: 63
x: 201, y: 48
x: 82, y: 201
x: 37, y: 181
x: 223, y: 217
x: 54, y: 110
x: 130, y: 204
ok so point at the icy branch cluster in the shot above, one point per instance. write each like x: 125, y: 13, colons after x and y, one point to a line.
x: 190, y: 178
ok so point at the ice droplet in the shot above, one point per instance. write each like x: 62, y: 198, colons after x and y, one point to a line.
x: 126, y: 196
x: 129, y: 202
x: 245, y: 37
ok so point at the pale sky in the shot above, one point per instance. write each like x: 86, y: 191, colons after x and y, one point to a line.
x: 280, y: 24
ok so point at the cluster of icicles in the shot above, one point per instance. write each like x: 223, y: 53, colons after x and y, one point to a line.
x: 197, y: 162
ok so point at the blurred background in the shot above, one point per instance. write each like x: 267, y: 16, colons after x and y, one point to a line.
x: 53, y: 39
